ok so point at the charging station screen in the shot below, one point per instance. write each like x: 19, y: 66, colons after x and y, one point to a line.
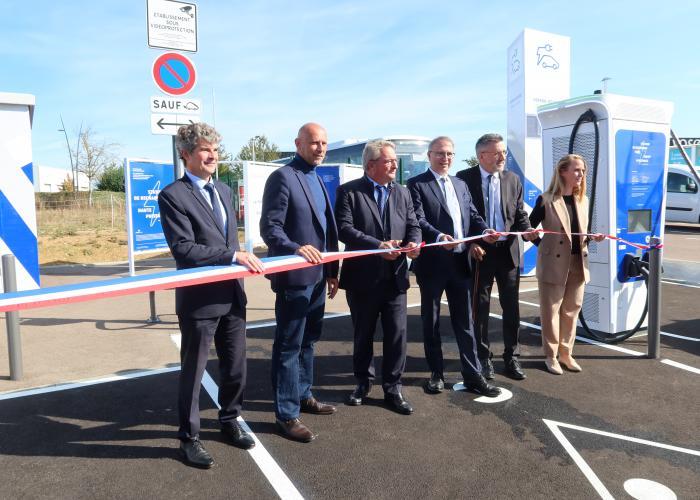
x: 639, y: 163
x: 639, y: 221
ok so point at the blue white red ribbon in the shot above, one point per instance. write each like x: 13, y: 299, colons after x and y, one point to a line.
x: 66, y: 294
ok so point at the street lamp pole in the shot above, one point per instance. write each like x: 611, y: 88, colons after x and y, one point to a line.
x: 70, y: 154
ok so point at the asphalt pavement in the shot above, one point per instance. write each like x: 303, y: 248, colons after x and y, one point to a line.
x: 95, y: 416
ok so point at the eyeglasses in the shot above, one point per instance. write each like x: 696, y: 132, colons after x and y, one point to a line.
x: 496, y: 153
x: 442, y: 154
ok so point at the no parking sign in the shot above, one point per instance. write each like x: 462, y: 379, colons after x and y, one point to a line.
x: 174, y: 73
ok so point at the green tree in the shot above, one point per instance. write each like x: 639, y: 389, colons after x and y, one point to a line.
x: 112, y: 178
x: 259, y: 148
x: 472, y: 161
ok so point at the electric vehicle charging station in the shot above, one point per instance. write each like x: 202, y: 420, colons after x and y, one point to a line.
x: 625, y: 143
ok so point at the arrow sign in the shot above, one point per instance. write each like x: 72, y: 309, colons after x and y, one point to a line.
x: 167, y: 124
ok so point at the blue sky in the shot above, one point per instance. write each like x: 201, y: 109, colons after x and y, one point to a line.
x: 360, y: 68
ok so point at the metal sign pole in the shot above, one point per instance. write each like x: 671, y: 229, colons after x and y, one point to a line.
x: 14, y: 341
x: 654, y: 328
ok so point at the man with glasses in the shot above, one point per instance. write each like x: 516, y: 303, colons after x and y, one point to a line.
x: 374, y: 212
x: 445, y: 212
x: 498, y: 197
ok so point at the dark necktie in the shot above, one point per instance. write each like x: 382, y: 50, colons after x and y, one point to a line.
x: 218, y: 215
x: 489, y: 201
x: 381, y: 200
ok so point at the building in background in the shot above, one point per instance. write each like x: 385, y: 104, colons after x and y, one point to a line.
x: 52, y: 179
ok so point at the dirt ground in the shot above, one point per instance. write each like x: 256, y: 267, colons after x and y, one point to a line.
x: 85, y: 247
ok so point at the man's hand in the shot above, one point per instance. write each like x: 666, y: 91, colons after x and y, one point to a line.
x: 310, y: 254
x: 598, y: 237
x: 249, y: 260
x: 387, y: 245
x: 450, y: 246
x: 332, y: 287
x: 492, y: 236
x: 531, y: 235
x: 413, y: 253
x: 477, y: 252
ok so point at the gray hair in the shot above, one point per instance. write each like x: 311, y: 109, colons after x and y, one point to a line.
x: 440, y: 139
x: 487, y: 139
x: 373, y: 150
x: 188, y: 136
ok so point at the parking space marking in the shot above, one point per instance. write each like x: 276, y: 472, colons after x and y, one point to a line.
x: 676, y: 364
x: 592, y: 477
x: 86, y: 383
x: 267, y: 465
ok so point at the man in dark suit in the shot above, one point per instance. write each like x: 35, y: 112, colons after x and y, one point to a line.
x: 297, y: 218
x: 374, y: 212
x: 200, y: 227
x: 498, y: 197
x: 445, y: 212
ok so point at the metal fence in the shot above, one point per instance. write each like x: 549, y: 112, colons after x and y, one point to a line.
x: 69, y: 214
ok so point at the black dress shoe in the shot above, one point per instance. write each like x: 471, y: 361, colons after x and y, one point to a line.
x: 478, y: 384
x: 237, y: 436
x: 312, y: 405
x: 487, y: 369
x: 360, y: 392
x: 397, y: 403
x: 436, y: 384
x: 514, y: 370
x: 194, y: 454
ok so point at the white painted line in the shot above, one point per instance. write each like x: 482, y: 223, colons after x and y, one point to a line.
x: 267, y: 465
x: 579, y: 461
x: 85, y: 383
x: 676, y: 364
x: 583, y: 465
x: 582, y: 339
x: 687, y: 285
x: 642, y: 334
x: 624, y: 438
x: 683, y: 337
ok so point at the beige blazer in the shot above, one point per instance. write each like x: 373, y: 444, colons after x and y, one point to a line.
x: 554, y: 250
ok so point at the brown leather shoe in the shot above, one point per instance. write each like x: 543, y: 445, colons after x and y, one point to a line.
x: 294, y: 429
x: 311, y: 405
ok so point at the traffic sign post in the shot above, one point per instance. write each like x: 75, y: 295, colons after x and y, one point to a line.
x: 174, y: 73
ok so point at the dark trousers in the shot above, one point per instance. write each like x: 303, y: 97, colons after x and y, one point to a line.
x: 228, y: 333
x: 498, y: 265
x: 299, y: 314
x: 383, y: 302
x: 458, y: 290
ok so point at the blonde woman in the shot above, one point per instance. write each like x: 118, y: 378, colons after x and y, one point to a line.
x: 562, y: 260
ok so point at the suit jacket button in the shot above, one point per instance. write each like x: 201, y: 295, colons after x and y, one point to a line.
x: 561, y: 242
x: 557, y: 256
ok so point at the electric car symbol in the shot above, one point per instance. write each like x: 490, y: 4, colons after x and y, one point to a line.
x: 545, y: 60
x: 515, y: 62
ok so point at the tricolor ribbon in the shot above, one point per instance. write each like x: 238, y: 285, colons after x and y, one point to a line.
x: 82, y: 292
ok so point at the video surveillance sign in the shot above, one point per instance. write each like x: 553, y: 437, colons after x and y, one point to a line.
x: 172, y: 25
